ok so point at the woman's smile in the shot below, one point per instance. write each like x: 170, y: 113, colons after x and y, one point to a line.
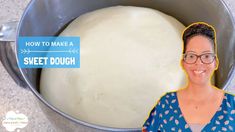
x: 199, y: 72
x: 198, y: 75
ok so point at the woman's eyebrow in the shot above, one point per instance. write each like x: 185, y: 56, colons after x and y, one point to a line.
x: 191, y: 51
x: 207, y: 51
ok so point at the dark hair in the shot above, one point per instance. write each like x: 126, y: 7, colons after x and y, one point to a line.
x: 199, y: 29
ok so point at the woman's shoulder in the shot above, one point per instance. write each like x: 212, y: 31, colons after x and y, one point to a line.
x: 230, y: 97
x: 168, y: 96
x: 167, y: 99
x: 228, y: 105
x: 230, y: 94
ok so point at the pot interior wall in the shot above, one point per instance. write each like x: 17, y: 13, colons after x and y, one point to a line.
x: 43, y: 18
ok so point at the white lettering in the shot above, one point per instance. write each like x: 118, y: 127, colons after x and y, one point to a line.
x: 45, y: 43
x: 70, y: 43
x: 59, y: 43
x: 62, y: 61
x: 32, y: 43
x: 35, y: 60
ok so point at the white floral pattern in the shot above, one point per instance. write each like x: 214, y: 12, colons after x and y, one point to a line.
x: 167, y: 116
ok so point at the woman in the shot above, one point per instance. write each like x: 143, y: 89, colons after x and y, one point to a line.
x: 199, y: 106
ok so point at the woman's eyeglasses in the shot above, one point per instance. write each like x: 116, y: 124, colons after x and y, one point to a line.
x: 206, y: 58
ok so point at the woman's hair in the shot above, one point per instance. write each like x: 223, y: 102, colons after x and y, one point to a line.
x: 199, y: 28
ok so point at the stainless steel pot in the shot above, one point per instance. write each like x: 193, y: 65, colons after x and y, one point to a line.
x: 48, y: 17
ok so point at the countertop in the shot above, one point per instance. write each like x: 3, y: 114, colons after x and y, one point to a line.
x: 15, y: 98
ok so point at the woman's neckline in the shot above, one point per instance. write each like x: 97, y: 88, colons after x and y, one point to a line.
x: 206, y: 124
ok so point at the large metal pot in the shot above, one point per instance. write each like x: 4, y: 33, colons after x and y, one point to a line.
x: 48, y: 17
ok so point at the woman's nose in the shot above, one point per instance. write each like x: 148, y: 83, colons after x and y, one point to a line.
x: 198, y: 61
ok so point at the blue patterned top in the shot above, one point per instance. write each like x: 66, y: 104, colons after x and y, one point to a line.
x: 167, y: 116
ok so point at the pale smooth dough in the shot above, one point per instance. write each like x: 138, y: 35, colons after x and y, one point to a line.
x: 130, y: 56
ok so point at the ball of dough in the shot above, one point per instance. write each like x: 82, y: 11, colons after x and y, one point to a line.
x: 129, y: 56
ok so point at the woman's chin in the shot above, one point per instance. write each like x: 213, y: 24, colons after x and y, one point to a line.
x: 199, y: 81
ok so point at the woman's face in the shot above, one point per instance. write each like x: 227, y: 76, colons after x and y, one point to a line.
x: 198, y: 72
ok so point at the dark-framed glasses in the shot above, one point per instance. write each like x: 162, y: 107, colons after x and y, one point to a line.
x: 206, y: 58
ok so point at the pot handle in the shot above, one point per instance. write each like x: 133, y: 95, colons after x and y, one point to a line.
x: 7, y: 54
